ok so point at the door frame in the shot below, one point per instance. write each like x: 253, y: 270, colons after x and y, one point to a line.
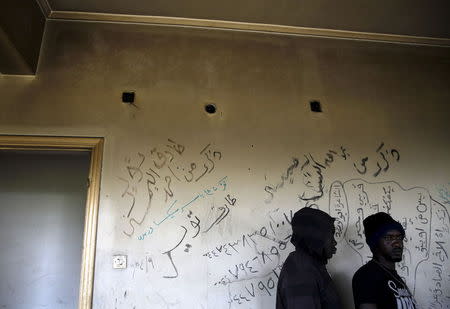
x: 94, y: 145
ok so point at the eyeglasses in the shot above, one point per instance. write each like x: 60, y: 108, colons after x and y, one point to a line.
x: 392, y: 238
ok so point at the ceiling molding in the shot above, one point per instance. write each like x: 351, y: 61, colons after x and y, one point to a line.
x: 45, y: 7
x: 249, y: 27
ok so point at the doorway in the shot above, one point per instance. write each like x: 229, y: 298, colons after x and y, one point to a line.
x: 49, y: 190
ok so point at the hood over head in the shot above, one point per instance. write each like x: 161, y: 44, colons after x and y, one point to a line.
x: 310, y: 230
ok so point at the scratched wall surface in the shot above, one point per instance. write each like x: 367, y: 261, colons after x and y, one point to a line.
x: 201, y: 204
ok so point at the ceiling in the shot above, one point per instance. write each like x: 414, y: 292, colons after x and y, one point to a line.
x: 417, y: 22
x: 403, y: 17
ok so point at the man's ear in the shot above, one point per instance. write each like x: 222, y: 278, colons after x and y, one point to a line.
x: 375, y: 249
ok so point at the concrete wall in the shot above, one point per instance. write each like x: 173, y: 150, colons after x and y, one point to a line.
x: 179, y: 184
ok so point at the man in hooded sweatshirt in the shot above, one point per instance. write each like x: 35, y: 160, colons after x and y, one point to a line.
x: 304, y: 282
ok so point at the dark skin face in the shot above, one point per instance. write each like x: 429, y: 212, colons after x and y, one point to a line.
x: 390, y: 249
x: 330, y: 245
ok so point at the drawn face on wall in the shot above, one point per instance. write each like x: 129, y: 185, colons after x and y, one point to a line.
x: 330, y: 245
x: 390, y: 246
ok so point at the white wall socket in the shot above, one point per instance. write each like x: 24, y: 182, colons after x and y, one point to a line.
x: 119, y: 261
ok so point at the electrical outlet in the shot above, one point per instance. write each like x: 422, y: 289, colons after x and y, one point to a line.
x: 119, y: 261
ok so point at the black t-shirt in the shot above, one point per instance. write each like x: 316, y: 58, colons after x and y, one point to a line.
x: 304, y: 283
x: 375, y: 284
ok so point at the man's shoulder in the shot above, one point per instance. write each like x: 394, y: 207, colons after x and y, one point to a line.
x: 368, y: 270
x: 299, y: 260
x: 300, y: 266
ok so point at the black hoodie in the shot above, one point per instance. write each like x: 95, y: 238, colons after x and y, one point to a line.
x: 304, y: 282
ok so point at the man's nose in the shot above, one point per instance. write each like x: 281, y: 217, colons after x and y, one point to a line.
x: 397, y: 243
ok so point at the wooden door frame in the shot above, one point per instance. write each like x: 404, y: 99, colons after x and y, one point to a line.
x: 95, y: 146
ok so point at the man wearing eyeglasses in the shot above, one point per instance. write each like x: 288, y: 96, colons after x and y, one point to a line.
x: 377, y: 285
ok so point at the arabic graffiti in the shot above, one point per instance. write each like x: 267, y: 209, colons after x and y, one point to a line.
x: 195, y: 224
x: 273, y: 231
x: 382, y: 160
x: 188, y: 231
x: 252, y: 259
x: 310, y: 170
x: 246, y: 291
x: 248, y: 266
x: 223, y: 212
x: 151, y: 176
x: 426, y: 223
x: 172, y: 211
x: 288, y: 176
x: 438, y: 264
x: 311, y: 174
x: 243, y: 267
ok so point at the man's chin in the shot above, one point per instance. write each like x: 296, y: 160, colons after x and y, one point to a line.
x: 396, y: 258
x: 330, y: 255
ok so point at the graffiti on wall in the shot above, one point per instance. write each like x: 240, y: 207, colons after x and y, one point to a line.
x: 150, y: 178
x: 426, y: 223
x: 309, y: 170
x: 245, y: 268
